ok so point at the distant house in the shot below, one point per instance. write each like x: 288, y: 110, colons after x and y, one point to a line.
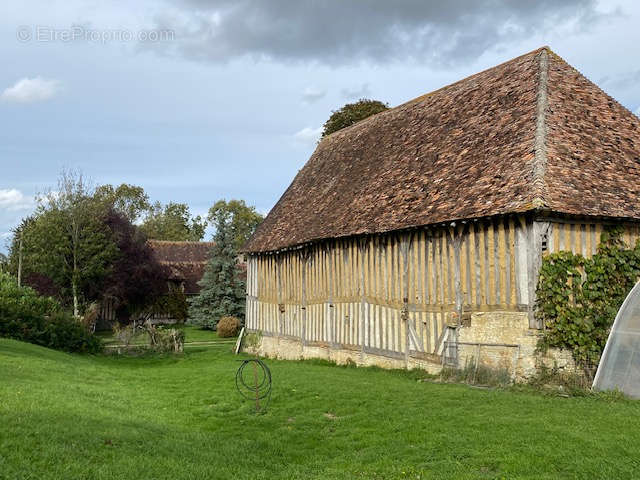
x: 184, y: 261
x: 414, y: 238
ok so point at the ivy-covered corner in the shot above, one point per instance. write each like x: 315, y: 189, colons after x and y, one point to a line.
x: 578, y: 297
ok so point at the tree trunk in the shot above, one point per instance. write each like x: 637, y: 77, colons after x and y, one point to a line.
x: 74, y: 289
x: 20, y: 262
x: 74, y: 274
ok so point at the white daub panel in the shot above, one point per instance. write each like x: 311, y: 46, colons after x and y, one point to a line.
x: 620, y: 363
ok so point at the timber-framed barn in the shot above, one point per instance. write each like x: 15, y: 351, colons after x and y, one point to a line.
x: 414, y: 238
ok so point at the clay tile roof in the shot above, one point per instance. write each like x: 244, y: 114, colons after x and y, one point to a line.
x: 185, y: 261
x: 529, y: 134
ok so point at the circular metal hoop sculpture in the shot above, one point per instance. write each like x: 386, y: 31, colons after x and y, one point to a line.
x: 254, y: 383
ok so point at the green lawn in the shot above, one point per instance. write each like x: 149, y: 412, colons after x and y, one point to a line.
x: 71, y: 417
x: 191, y: 334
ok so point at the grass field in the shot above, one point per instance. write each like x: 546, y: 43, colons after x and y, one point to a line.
x: 71, y: 417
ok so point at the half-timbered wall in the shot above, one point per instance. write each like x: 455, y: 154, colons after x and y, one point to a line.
x: 396, y: 294
x: 581, y: 236
x: 393, y: 293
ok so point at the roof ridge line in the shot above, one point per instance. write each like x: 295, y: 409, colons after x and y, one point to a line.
x: 419, y: 98
x: 540, y: 136
x: 425, y: 95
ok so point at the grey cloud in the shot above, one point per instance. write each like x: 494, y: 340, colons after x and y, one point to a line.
x: 375, y: 31
x: 356, y: 93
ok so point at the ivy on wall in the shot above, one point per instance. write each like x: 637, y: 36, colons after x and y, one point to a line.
x: 578, y: 297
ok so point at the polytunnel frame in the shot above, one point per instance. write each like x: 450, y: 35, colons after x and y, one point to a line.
x: 635, y: 292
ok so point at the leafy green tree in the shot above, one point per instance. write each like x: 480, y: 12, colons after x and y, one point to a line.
x: 352, y: 113
x: 128, y: 200
x: 67, y: 241
x: 173, y: 222
x: 241, y: 219
x: 4, y: 263
x: 222, y: 290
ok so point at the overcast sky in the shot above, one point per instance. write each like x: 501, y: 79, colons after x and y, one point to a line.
x: 197, y: 100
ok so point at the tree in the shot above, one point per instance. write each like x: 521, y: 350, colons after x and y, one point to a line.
x: 128, y: 200
x: 173, y: 222
x: 4, y: 263
x: 66, y: 241
x: 222, y: 290
x: 14, y: 261
x: 352, y: 113
x: 241, y: 219
x: 136, y: 279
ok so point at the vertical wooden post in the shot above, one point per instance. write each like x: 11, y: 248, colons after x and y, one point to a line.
x: 404, y: 249
x: 280, y: 299
x: 522, y: 259
x: 456, y: 239
x: 303, y: 259
x: 537, y: 231
x: 331, y: 336
x: 363, y: 306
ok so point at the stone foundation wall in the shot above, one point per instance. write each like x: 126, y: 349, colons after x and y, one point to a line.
x: 501, y: 340
x: 292, y: 349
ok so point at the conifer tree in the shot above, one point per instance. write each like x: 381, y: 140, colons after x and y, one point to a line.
x: 222, y: 291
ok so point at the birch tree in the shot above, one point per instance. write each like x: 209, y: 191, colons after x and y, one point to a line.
x: 70, y: 241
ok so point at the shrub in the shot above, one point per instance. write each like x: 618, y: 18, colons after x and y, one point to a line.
x: 124, y: 333
x: 26, y: 316
x: 228, y: 327
x: 165, y: 340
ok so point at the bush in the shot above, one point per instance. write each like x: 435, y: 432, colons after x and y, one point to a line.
x: 124, y: 333
x: 26, y: 316
x: 165, y: 340
x: 228, y: 327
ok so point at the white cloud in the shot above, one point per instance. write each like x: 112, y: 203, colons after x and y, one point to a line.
x: 14, y: 200
x: 308, y: 135
x: 29, y: 90
x: 313, y: 94
x: 637, y: 111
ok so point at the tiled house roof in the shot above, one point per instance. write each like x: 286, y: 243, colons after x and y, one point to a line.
x: 185, y: 261
x: 529, y: 134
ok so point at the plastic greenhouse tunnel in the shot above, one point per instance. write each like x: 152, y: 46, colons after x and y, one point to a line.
x: 620, y: 363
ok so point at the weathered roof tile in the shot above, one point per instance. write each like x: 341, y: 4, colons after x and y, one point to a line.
x: 530, y: 133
